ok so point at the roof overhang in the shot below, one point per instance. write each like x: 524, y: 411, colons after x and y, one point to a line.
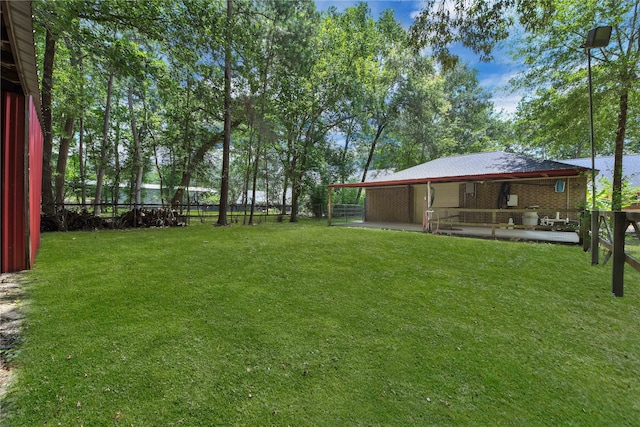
x: 555, y: 173
x: 19, y: 68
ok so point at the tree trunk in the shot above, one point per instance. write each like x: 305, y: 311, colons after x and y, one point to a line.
x: 115, y: 188
x: 138, y: 152
x: 256, y: 162
x: 48, y: 202
x: 287, y: 167
x: 226, y: 143
x: 285, y: 184
x: 245, y: 180
x: 345, y: 151
x: 65, y: 141
x: 194, y: 162
x: 370, y: 158
x: 104, y: 149
x: 616, y: 202
x: 298, y: 169
x: 184, y: 183
x: 296, y: 190
x: 81, y: 163
x: 159, y: 170
x: 63, y: 155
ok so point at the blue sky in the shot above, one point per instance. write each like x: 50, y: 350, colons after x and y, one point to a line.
x: 493, y: 76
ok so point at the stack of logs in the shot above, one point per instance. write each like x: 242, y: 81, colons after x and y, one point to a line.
x: 137, y: 218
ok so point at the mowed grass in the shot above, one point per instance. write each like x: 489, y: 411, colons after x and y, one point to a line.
x: 311, y: 325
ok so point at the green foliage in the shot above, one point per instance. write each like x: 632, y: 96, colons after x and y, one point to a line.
x: 301, y: 81
x: 604, y: 195
x: 308, y: 324
x: 554, y: 116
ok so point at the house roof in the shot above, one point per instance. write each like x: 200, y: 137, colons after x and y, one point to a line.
x: 18, y: 49
x: 630, y: 167
x: 475, y: 167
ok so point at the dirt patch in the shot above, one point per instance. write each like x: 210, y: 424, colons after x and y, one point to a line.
x: 11, y: 315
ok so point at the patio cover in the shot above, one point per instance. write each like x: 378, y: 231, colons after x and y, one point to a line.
x: 496, y: 165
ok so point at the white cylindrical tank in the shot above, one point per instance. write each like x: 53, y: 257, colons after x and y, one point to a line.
x: 530, y: 218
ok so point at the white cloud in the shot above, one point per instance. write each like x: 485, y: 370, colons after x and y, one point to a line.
x: 497, y: 84
x: 506, y: 102
x: 338, y: 4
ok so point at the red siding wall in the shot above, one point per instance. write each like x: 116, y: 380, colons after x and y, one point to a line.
x: 21, y: 182
x: 14, y: 249
x: 36, y: 140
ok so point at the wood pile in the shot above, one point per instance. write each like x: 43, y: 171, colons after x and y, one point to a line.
x: 145, y: 218
x: 137, y: 218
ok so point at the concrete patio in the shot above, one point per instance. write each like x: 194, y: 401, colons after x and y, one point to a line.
x: 566, y: 237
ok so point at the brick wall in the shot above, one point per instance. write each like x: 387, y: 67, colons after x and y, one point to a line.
x: 536, y: 192
x: 391, y: 204
x: 396, y: 204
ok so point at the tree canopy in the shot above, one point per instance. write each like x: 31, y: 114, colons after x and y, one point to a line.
x: 241, y: 97
x: 553, y: 118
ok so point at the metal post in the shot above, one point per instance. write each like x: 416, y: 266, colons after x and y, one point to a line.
x: 596, y: 38
x: 619, y: 228
x: 595, y: 239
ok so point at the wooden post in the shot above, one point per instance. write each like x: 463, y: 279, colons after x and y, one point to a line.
x: 427, y: 213
x: 584, y: 230
x: 619, y: 228
x: 595, y: 236
x: 424, y: 212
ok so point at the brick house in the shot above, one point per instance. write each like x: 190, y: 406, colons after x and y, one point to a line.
x: 480, y: 188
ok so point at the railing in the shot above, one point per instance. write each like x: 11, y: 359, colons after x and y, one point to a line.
x: 538, y: 218
x: 612, y: 237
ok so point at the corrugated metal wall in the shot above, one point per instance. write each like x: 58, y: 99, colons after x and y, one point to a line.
x: 14, y: 241
x: 36, y: 140
x: 21, y: 182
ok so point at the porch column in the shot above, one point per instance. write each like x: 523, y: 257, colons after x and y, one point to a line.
x: 426, y: 217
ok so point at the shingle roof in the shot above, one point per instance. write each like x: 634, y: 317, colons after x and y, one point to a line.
x: 478, y: 164
x: 475, y: 167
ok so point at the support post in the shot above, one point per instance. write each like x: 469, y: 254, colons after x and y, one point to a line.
x: 585, y: 229
x: 427, y: 213
x: 595, y: 236
x: 619, y: 228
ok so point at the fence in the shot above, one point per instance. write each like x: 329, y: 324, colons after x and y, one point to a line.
x: 611, y: 229
x: 347, y: 212
x: 236, y: 213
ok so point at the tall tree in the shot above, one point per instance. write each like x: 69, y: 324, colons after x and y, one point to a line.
x: 380, y: 81
x: 556, y: 31
x: 104, y: 146
x: 48, y: 201
x: 226, y: 142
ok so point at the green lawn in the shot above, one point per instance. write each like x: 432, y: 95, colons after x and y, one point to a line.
x: 309, y: 325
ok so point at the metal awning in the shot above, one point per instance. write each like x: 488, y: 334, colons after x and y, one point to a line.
x: 19, y: 68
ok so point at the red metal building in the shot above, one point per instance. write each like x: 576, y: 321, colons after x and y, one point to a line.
x: 21, y: 140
